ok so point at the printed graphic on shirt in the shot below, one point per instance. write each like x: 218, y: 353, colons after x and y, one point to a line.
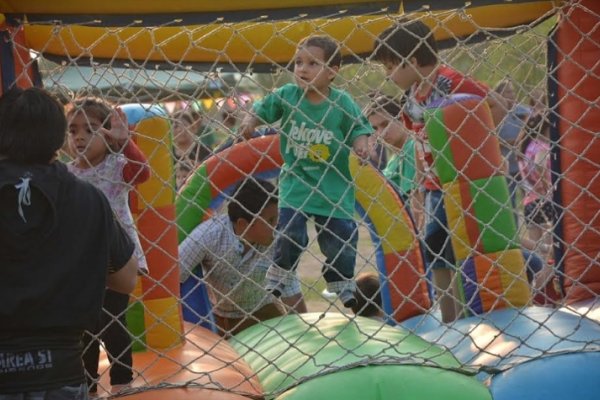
x: 25, y: 361
x: 312, y: 143
x: 446, y: 82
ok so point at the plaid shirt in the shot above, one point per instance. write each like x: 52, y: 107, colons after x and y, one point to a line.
x: 235, y: 279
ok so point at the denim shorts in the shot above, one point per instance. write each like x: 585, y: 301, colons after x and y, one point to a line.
x: 337, y: 240
x: 533, y: 264
x: 438, y: 247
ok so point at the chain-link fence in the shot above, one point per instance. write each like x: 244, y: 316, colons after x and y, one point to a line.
x: 439, y: 172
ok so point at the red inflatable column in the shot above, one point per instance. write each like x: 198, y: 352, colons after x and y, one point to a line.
x: 16, y: 66
x: 578, y: 90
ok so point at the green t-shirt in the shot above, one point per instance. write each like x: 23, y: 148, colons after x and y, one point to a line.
x: 401, y: 170
x: 316, y: 140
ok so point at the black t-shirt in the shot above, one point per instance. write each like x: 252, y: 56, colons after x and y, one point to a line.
x: 32, y: 361
x: 58, y: 241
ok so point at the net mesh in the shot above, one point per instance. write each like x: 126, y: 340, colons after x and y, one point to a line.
x: 185, y: 119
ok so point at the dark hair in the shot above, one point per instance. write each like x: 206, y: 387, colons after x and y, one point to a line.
x: 536, y: 125
x: 92, y: 107
x: 502, y: 85
x: 183, y: 166
x: 368, y: 295
x: 331, y: 49
x: 32, y: 126
x: 406, y: 39
x: 385, y: 104
x: 250, y: 198
x: 62, y: 93
x: 189, y: 115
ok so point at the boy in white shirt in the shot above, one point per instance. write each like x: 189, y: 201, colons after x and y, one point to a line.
x: 234, y: 253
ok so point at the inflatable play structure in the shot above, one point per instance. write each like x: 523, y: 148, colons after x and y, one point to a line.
x: 477, y: 203
x: 152, y: 203
x: 502, y: 349
x: 364, y: 359
x: 230, y: 33
x: 517, y: 348
x: 398, y: 252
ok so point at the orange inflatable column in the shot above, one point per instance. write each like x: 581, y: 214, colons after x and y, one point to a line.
x: 482, y: 229
x: 156, y: 320
x: 574, y: 95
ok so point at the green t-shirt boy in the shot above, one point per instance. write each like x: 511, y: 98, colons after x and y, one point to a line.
x: 400, y: 170
x: 315, y: 143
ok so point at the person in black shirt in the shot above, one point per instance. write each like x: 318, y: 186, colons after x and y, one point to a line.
x: 60, y: 247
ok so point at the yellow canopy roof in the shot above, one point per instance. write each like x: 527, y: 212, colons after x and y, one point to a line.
x: 244, y: 32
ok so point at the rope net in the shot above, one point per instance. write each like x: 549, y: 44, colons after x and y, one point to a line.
x: 495, y: 236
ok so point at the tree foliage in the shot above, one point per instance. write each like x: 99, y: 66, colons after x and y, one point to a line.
x: 520, y: 57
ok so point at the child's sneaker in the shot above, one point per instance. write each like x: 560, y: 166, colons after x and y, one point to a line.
x: 331, y: 296
x: 278, y: 279
x: 348, y: 298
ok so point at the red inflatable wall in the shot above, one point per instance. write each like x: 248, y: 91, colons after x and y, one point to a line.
x: 578, y: 93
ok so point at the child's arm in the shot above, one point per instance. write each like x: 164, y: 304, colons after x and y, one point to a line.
x: 417, y: 201
x: 357, y: 127
x: 248, y: 125
x: 498, y: 107
x: 267, y: 110
x: 541, y: 165
x: 521, y: 137
x: 136, y: 169
x: 361, y: 147
x: 118, y: 134
x: 194, y: 249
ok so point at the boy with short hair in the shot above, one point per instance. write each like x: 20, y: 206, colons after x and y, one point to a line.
x: 234, y: 254
x: 319, y: 126
x: 383, y: 113
x: 368, y: 296
x: 408, y: 52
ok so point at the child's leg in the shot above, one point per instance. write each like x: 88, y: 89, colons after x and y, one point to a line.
x: 116, y: 337
x: 91, y: 357
x: 91, y: 354
x: 337, y: 240
x: 439, y: 256
x: 291, y: 241
x: 444, y: 277
x: 533, y: 264
x: 446, y: 289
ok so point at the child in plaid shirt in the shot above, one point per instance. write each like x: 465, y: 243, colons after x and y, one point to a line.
x: 234, y: 253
